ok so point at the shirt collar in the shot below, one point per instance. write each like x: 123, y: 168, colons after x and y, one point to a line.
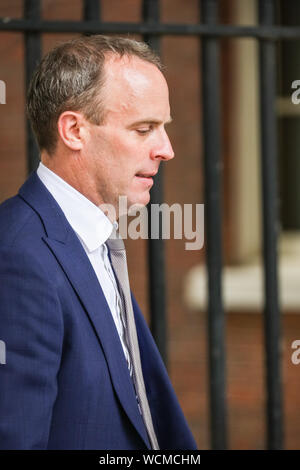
x: 87, y: 220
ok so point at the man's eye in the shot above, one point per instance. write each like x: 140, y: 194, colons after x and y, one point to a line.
x: 144, y: 131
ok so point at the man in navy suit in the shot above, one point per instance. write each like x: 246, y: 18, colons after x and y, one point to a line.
x: 98, y: 106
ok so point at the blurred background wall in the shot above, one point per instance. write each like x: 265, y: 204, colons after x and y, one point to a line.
x: 185, y: 273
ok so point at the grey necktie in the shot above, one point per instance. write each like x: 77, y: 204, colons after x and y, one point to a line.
x: 119, y: 262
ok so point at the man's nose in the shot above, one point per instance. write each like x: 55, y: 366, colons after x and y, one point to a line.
x: 163, y: 150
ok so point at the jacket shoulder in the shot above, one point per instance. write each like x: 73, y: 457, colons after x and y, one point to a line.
x: 18, y: 221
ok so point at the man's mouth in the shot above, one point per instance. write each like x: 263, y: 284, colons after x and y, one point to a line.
x: 145, y: 178
x: 146, y: 175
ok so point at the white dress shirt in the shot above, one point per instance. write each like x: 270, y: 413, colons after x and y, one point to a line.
x: 93, y: 228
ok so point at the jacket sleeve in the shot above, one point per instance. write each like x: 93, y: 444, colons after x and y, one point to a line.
x: 170, y: 425
x: 31, y: 329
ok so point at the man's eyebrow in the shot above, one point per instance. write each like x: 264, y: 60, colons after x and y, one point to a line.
x: 150, y: 121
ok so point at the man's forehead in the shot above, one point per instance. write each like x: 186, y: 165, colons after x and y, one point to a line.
x: 131, y: 72
x: 132, y: 86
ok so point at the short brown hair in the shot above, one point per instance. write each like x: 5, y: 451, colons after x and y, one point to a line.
x: 69, y: 77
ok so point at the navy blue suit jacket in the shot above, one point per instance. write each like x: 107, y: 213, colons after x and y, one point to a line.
x: 65, y: 383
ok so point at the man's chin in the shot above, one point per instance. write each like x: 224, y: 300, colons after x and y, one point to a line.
x: 134, y: 203
x: 137, y: 206
x: 130, y: 205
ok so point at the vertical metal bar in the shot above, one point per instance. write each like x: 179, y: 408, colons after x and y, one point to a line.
x: 91, y: 10
x: 151, y: 14
x: 156, y: 259
x: 270, y: 221
x: 213, y: 224
x: 32, y: 58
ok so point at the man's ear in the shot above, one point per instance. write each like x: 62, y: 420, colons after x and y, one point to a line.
x: 71, y: 126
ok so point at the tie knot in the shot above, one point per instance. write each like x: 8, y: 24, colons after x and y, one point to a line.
x: 115, y: 242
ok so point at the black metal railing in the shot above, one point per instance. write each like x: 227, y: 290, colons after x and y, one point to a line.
x: 213, y: 225
x: 33, y: 53
x: 210, y: 33
x: 156, y: 260
x: 270, y: 223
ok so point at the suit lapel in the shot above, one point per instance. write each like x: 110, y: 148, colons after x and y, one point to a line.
x: 64, y: 244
